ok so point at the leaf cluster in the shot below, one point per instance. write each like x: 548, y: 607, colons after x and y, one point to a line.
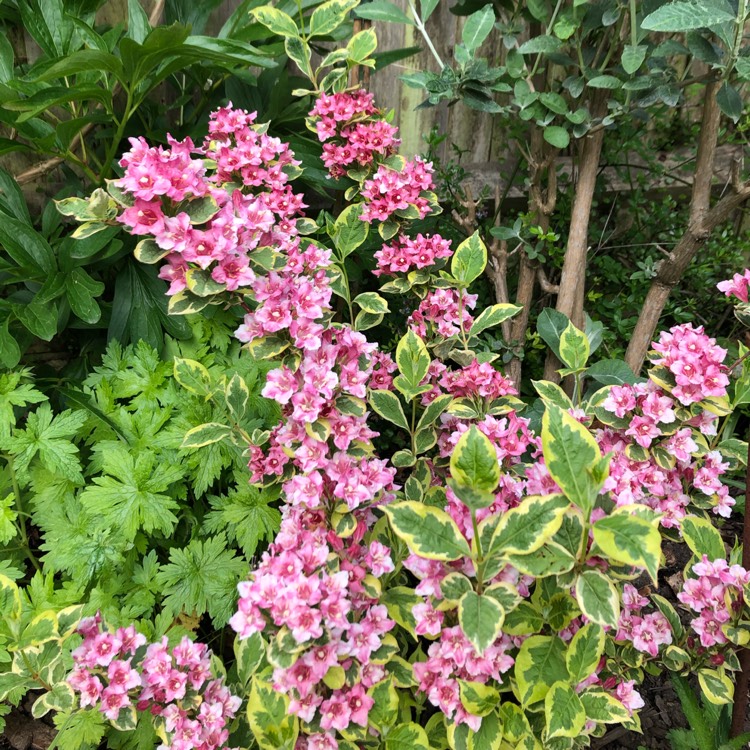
x: 108, y: 496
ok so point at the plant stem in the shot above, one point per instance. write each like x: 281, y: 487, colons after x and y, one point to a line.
x: 480, y: 553
x: 413, y: 426
x: 114, y: 145
x: 423, y: 31
x: 22, y: 514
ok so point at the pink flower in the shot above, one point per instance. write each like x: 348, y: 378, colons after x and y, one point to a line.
x: 737, y: 286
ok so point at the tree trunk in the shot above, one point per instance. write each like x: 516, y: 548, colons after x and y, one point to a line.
x: 701, y: 222
x: 541, y: 206
x: 573, y: 278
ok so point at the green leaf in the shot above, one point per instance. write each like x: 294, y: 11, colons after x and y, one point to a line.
x: 26, y: 247
x: 481, y: 619
x: 384, y: 712
x: 469, y: 260
x: 426, y: 8
x: 383, y: 10
x: 245, y: 516
x: 489, y: 736
x: 205, y: 434
x: 434, y: 409
x: 49, y: 439
x: 716, y: 686
x: 427, y: 531
x: 84, y: 61
x: 362, y: 45
x: 611, y: 372
x: 574, y: 347
x: 477, y: 698
x: 81, y: 290
x: 602, y: 707
x: 407, y: 737
x: 10, y: 352
x: 272, y: 724
x: 299, y: 51
x: 563, y: 711
x: 275, y: 20
x: 584, y: 652
x: 630, y: 540
x: 327, y: 17
x: 474, y: 461
x: 605, y: 82
x: 633, y: 57
x: 8, y: 518
x: 131, y: 495
x: 39, y: 318
x: 540, y: 45
x: 192, y: 376
x: 400, y: 601
x: 685, y: 15
x: 236, y: 395
x: 202, y: 577
x: 703, y: 538
x: 388, y: 405
x: 249, y: 654
x: 412, y: 359
x: 493, y: 316
x: 477, y: 27
x: 525, y: 528
x: 556, y: 136
x: 202, y: 283
x: 539, y: 665
x: 138, y: 25
x: 7, y: 57
x: 550, y: 324
x: 79, y: 728
x: 730, y: 101
x: 570, y: 453
x: 371, y: 302
x: 552, y: 393
x: 349, y: 231
x: 597, y: 598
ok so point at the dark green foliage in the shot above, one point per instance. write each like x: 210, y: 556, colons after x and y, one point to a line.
x: 116, y: 506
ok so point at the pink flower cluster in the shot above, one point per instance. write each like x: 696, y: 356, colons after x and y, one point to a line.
x: 438, y: 313
x: 405, y: 254
x: 326, y: 609
x: 477, y: 380
x: 675, y: 464
x: 120, y: 672
x: 292, y: 299
x: 737, y: 286
x: 716, y: 595
x: 260, y: 213
x: 645, y: 631
x: 452, y: 658
x: 695, y: 361
x: 392, y: 192
x: 352, y: 130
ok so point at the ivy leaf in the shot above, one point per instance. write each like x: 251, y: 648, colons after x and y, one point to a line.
x: 49, y: 438
x: 131, y: 497
x: 202, y: 577
x: 245, y: 516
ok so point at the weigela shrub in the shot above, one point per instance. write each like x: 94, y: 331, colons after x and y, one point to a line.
x: 486, y: 585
